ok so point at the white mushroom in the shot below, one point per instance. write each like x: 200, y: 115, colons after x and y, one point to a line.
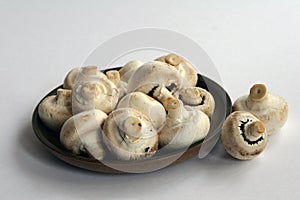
x: 74, y: 74
x: 243, y: 135
x: 182, y: 65
x: 184, y: 124
x: 128, y: 69
x: 130, y: 135
x: 114, y: 76
x: 198, y: 97
x: 146, y: 105
x: 82, y: 133
x: 271, y: 109
x: 94, y: 92
x: 156, y: 72
x: 54, y: 110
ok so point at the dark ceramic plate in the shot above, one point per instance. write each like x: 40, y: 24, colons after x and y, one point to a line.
x: 222, y: 109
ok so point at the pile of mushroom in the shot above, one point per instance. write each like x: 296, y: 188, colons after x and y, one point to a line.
x: 244, y: 132
x: 131, y: 112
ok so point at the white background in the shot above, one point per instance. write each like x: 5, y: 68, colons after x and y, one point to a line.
x: 249, y: 42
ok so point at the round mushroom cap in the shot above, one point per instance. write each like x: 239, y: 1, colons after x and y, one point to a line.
x: 185, y: 125
x: 82, y: 133
x: 77, y: 73
x: 54, y: 110
x: 271, y: 109
x: 146, y: 105
x: 129, y: 68
x: 156, y: 72
x: 96, y: 92
x: 182, y: 65
x: 198, y: 97
x: 130, y: 135
x: 243, y: 135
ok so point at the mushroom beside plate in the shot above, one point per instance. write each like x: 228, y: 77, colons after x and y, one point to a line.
x: 51, y: 141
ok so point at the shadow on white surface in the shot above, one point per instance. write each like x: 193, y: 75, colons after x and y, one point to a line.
x: 44, y: 170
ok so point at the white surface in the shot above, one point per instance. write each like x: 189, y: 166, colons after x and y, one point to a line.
x: 249, y: 41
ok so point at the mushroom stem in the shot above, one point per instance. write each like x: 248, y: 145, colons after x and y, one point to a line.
x: 192, y: 96
x: 255, y: 130
x: 89, y: 70
x: 113, y: 76
x: 258, y: 92
x: 174, y: 108
x: 63, y: 97
x: 173, y: 59
x: 163, y: 95
x: 132, y: 127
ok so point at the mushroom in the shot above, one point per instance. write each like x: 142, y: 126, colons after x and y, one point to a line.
x: 94, y: 91
x: 82, y: 133
x: 198, y: 97
x: 271, y: 109
x: 54, y: 110
x: 130, y: 135
x: 114, y: 76
x: 128, y: 69
x: 72, y: 76
x: 155, y: 72
x: 184, y: 124
x: 182, y: 65
x: 243, y: 135
x: 146, y: 105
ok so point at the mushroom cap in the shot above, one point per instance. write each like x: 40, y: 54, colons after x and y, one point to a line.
x: 130, y: 135
x: 129, y: 68
x: 271, y: 109
x: 185, y: 125
x: 70, y: 78
x: 155, y: 72
x: 198, y: 97
x: 114, y: 76
x: 146, y: 105
x: 82, y: 133
x: 94, y: 93
x: 182, y: 65
x: 54, y: 110
x: 80, y: 72
x: 243, y: 135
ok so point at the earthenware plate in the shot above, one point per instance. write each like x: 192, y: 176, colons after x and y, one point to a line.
x: 51, y: 141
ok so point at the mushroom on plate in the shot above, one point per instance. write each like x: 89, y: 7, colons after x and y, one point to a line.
x: 129, y: 134
x: 184, y: 124
x: 114, y: 76
x: 243, y: 135
x: 54, y: 110
x: 198, y: 97
x: 78, y: 73
x: 146, y: 105
x: 94, y: 91
x: 271, y: 109
x: 155, y: 72
x: 183, y: 66
x: 128, y: 69
x: 82, y: 133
